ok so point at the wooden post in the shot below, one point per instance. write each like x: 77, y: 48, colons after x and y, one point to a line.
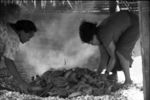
x: 112, y: 6
x: 144, y: 18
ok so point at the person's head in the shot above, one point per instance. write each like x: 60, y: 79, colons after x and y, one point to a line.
x: 25, y: 30
x: 87, y: 32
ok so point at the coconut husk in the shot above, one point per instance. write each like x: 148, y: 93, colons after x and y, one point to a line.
x: 64, y: 83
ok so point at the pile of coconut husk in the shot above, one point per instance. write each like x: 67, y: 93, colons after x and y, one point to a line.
x: 73, y: 82
x: 65, y: 83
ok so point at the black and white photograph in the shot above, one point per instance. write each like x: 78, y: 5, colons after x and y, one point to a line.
x: 74, y: 50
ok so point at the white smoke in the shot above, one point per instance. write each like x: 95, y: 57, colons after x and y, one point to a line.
x: 59, y: 47
x: 57, y: 44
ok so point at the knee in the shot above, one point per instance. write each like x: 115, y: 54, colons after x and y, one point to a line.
x: 122, y: 59
x: 119, y: 55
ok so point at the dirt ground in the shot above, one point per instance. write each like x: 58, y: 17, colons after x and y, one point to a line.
x: 134, y: 92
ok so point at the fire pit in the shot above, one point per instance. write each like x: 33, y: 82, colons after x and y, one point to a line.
x: 79, y: 83
x: 73, y: 82
x: 67, y: 83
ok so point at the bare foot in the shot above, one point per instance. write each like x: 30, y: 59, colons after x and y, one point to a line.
x: 113, y: 77
x: 127, y: 84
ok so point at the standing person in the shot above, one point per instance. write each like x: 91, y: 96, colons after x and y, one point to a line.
x: 11, y: 34
x: 117, y: 35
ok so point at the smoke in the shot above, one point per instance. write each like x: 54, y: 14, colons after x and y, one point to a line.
x: 56, y: 45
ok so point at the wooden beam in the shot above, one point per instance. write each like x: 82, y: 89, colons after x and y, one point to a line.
x: 144, y: 18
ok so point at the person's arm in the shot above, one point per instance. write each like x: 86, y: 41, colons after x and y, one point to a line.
x: 12, y: 69
x: 21, y: 83
x: 104, y: 57
x: 111, y: 51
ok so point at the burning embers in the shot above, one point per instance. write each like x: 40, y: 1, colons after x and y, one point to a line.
x: 73, y: 82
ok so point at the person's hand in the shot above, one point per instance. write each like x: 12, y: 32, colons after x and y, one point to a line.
x: 106, y: 73
x: 26, y: 88
x: 101, y: 69
x: 35, y: 88
x: 23, y: 87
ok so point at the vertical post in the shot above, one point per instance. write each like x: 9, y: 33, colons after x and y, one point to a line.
x: 144, y: 19
x: 112, y: 6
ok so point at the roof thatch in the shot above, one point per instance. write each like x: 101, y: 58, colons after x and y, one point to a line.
x: 43, y: 2
x: 100, y: 5
x: 70, y: 3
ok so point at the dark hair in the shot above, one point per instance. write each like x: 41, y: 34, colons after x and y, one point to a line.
x: 25, y: 25
x: 87, y: 30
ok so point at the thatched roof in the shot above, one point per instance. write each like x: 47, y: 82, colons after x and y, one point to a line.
x: 43, y: 2
x: 70, y: 3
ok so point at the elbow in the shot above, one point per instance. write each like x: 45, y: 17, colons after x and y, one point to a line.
x: 7, y: 61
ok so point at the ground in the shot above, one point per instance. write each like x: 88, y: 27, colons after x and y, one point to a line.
x: 134, y: 92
